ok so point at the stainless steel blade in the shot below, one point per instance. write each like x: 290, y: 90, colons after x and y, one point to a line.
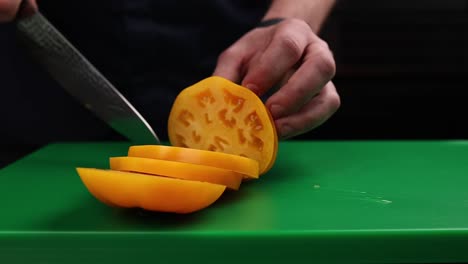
x: 81, y: 79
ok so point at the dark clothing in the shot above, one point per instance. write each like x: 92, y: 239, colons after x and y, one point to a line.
x: 150, y: 50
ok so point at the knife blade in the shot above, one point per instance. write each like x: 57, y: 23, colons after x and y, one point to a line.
x: 49, y: 47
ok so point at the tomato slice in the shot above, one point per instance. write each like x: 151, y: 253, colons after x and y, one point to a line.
x: 179, y: 170
x: 218, y: 115
x: 236, y: 163
x: 127, y: 190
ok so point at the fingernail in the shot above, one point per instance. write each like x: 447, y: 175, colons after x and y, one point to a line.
x: 286, y: 131
x: 276, y: 111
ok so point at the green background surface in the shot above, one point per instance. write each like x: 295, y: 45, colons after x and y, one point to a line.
x: 326, y: 202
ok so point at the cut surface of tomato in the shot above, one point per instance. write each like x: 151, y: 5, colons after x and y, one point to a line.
x: 216, y: 114
x: 179, y: 170
x: 239, y: 164
x: 129, y: 190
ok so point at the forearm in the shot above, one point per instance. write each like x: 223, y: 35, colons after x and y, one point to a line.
x: 314, y: 12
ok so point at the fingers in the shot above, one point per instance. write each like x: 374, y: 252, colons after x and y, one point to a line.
x: 8, y: 9
x: 292, y: 56
x: 231, y: 63
x: 311, y: 115
x: 317, y: 69
x: 285, y: 49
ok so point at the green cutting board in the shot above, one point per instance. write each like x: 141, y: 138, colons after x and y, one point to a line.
x: 323, y: 202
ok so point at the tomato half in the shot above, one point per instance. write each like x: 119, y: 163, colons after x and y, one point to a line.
x: 218, y: 115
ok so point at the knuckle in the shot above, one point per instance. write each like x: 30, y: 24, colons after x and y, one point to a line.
x: 292, y: 46
x: 334, y: 101
x: 293, y: 36
x: 325, y: 62
x: 323, y: 44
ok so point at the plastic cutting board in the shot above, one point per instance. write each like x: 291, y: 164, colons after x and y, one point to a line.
x: 323, y: 202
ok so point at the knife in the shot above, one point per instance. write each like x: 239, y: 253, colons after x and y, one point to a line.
x: 79, y: 77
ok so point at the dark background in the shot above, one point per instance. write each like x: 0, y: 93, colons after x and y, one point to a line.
x: 401, y: 74
x: 401, y: 70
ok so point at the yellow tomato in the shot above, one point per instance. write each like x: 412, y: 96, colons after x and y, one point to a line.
x: 128, y: 190
x: 218, y: 115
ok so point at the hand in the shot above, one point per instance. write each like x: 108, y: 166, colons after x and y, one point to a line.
x: 289, y: 55
x: 9, y: 8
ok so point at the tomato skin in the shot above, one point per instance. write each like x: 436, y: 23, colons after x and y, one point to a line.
x: 218, y: 115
